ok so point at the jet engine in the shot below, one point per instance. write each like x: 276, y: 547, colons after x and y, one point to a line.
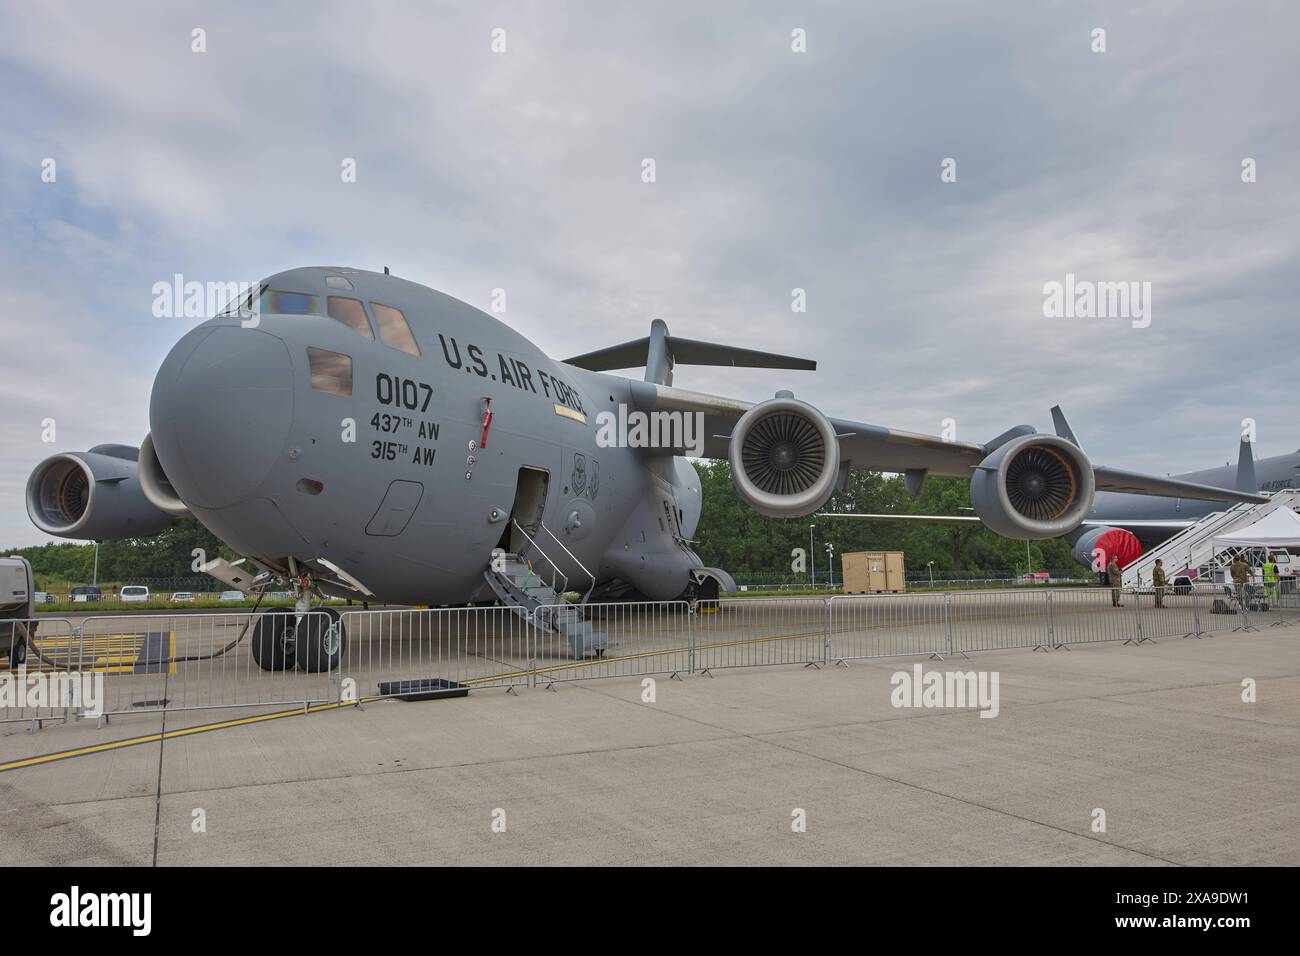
x: 92, y: 495
x: 1035, y: 486
x: 1097, y: 546
x: 785, y: 457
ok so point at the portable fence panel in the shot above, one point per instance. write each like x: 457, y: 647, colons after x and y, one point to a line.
x: 625, y: 639
x: 1288, y: 600
x: 1180, y: 612
x: 751, y: 632
x: 1276, y: 604
x: 1086, y: 616
x: 1222, y: 609
x: 390, y: 652
x: 197, y: 660
x: 888, y: 625
x: 40, y: 687
x: 996, y: 620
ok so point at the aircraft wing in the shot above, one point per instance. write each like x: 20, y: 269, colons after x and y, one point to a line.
x: 868, y: 447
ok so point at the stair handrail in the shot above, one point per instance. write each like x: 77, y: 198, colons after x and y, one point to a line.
x: 556, y: 567
x: 575, y: 561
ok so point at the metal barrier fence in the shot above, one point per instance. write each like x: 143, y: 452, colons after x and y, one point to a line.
x: 638, y: 639
x: 48, y: 697
x: 387, y: 652
x: 155, y: 662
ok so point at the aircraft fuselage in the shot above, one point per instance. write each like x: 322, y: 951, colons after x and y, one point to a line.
x: 295, y: 434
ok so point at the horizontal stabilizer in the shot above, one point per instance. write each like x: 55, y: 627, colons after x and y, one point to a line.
x: 658, y: 352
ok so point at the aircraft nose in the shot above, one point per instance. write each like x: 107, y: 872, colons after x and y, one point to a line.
x: 220, y: 413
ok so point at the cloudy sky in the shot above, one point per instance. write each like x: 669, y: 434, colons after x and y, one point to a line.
x: 775, y: 170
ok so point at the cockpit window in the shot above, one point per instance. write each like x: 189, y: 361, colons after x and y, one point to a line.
x: 243, y: 303
x: 351, y: 313
x: 275, y: 302
x: 393, y: 330
x: 330, y: 371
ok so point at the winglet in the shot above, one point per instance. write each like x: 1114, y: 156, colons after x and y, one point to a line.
x: 1246, y: 468
x: 1063, y: 429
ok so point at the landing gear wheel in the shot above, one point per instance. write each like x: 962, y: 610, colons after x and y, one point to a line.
x: 1182, y: 585
x: 17, y: 652
x: 272, y: 650
x: 321, y: 640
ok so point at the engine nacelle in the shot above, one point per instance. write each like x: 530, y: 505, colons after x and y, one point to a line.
x: 1033, y: 487
x: 92, y: 495
x: 153, y: 482
x: 785, y: 458
x: 1097, y: 546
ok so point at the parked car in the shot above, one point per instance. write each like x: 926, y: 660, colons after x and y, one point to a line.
x: 86, y: 593
x: 232, y: 595
x: 134, y: 592
x: 43, y: 597
x: 183, y: 597
x: 1036, y: 577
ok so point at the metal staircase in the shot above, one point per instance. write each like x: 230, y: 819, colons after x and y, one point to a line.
x: 1191, y: 552
x: 519, y: 586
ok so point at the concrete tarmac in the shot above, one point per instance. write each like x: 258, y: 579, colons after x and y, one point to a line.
x: 712, y: 772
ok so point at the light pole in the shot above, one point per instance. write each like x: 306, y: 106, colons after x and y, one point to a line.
x: 94, y: 581
x: 812, y: 557
x: 930, y: 565
x: 830, y: 564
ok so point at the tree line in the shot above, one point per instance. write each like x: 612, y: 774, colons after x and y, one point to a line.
x: 733, y: 536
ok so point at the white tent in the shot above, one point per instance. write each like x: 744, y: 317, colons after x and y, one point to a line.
x: 1280, y: 528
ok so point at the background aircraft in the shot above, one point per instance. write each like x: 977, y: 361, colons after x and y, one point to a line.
x: 356, y: 434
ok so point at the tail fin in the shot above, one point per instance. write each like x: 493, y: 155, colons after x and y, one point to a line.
x: 1063, y: 429
x: 1246, y: 468
x: 659, y: 352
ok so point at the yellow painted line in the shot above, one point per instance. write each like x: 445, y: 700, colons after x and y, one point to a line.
x: 174, y: 734
x: 112, y: 745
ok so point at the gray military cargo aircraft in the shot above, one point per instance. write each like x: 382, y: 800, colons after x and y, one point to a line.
x: 359, y: 435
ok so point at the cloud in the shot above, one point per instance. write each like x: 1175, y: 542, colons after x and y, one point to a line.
x: 776, y: 170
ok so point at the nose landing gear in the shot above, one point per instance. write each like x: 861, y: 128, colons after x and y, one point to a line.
x: 314, y: 641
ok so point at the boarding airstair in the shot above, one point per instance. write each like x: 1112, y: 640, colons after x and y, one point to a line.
x: 1192, y: 554
x: 522, y: 586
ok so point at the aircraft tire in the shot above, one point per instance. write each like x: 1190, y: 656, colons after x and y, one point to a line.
x: 321, y: 641
x: 17, y: 651
x: 268, y: 644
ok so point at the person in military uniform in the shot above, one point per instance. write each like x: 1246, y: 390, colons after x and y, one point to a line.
x: 1158, y: 579
x: 1240, y: 575
x: 1116, y: 581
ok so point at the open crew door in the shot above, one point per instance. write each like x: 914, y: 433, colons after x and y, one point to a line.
x: 529, y: 506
